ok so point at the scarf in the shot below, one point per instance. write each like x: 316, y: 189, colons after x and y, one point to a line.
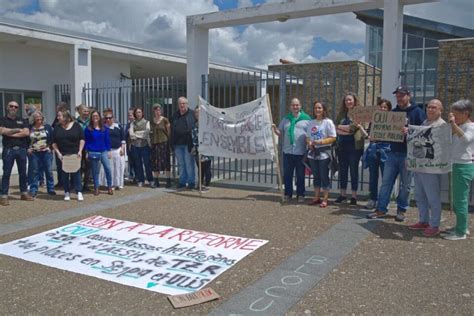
x: 139, y: 125
x: 293, y: 120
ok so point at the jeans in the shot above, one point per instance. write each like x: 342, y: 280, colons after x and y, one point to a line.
x: 428, y: 197
x: 206, y: 174
x: 95, y: 164
x: 185, y: 166
x: 141, y: 156
x: 85, y: 169
x: 41, y: 163
x: 349, y: 160
x: 290, y: 164
x: 76, y: 180
x: 320, y: 169
x: 394, y: 166
x: 9, y: 156
x: 374, y: 168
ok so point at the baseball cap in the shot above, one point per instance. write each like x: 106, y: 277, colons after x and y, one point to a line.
x: 402, y: 89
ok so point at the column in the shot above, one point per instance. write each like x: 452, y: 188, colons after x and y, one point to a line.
x: 80, y: 70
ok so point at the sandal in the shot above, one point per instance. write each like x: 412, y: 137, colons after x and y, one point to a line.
x: 376, y: 214
x: 314, y: 202
x: 323, y: 204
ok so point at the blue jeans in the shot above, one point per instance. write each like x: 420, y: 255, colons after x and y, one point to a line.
x: 95, y: 164
x: 374, y: 168
x: 320, y: 169
x: 9, y: 156
x: 41, y: 163
x: 394, y: 166
x: 428, y: 197
x: 185, y: 166
x: 290, y: 164
x: 141, y: 156
x: 349, y: 160
x: 76, y: 180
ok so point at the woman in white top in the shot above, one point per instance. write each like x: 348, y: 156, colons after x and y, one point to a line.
x: 463, y: 168
x: 320, y: 134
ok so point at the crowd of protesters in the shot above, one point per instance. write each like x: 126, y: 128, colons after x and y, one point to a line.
x: 323, y: 145
x: 101, y: 144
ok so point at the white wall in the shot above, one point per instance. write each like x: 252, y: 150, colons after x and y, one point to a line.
x: 107, y: 69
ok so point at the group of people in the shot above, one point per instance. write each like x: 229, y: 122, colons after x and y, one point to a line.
x: 98, y: 144
x: 323, y: 144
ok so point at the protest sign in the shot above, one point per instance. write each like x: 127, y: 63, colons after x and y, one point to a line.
x: 362, y: 114
x: 241, y: 132
x: 162, y: 259
x: 429, y: 148
x: 387, y: 126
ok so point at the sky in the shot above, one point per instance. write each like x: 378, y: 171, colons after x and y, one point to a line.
x: 161, y: 24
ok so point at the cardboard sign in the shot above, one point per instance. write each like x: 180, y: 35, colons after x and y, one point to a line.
x: 198, y: 297
x: 362, y: 114
x: 71, y: 163
x: 429, y: 149
x: 157, y: 258
x: 387, y: 126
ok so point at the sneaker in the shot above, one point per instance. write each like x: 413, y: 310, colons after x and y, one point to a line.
x: 27, y: 197
x: 204, y: 189
x: 431, y: 232
x: 419, y: 226
x: 452, y: 230
x: 286, y: 198
x: 340, y: 199
x: 353, y: 201
x: 376, y: 215
x: 140, y: 184
x: 300, y: 199
x: 52, y: 193
x: 152, y: 185
x: 67, y: 197
x: 4, y: 201
x: 371, y: 204
x: 79, y: 196
x: 455, y: 237
x: 191, y: 187
x: 400, y: 216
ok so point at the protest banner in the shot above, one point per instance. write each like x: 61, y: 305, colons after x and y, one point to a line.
x: 429, y: 148
x: 162, y: 259
x: 387, y: 126
x: 362, y: 114
x: 241, y: 132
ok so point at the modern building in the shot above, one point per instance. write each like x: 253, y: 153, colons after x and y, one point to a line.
x: 419, y: 49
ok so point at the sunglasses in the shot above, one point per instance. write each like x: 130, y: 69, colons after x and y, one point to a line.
x: 108, y: 117
x: 13, y: 106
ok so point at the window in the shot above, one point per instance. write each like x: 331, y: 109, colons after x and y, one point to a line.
x: 431, y: 43
x: 414, y: 59
x: 414, y: 41
x: 431, y: 58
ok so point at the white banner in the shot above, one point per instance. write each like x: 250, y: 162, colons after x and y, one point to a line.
x: 243, y: 131
x: 157, y: 258
x: 429, y: 148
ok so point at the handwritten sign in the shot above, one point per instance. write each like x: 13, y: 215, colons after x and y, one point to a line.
x: 242, y: 131
x: 162, y: 259
x: 71, y: 163
x: 429, y: 148
x: 362, y: 114
x: 387, y: 126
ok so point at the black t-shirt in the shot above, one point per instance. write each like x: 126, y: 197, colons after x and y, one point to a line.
x: 68, y: 140
x: 8, y: 141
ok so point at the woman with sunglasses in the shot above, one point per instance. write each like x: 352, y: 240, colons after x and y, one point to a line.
x: 98, y: 150
x: 117, y: 150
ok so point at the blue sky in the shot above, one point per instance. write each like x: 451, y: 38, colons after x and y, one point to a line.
x: 162, y: 24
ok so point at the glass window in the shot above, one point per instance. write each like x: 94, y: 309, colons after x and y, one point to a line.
x: 372, y: 59
x: 430, y: 42
x: 379, y: 59
x: 404, y: 41
x: 379, y: 39
x: 414, y: 41
x: 431, y: 58
x: 414, y: 59
x: 372, y: 39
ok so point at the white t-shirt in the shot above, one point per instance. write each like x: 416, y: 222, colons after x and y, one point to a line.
x: 317, y: 130
x: 463, y: 147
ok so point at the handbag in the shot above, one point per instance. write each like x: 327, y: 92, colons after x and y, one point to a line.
x: 94, y: 155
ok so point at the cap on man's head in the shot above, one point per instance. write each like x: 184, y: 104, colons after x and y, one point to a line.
x: 402, y: 89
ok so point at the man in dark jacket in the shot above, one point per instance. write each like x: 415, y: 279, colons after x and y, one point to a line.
x: 182, y: 124
x: 395, y: 164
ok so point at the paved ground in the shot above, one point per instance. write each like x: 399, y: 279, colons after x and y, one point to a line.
x: 379, y: 268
